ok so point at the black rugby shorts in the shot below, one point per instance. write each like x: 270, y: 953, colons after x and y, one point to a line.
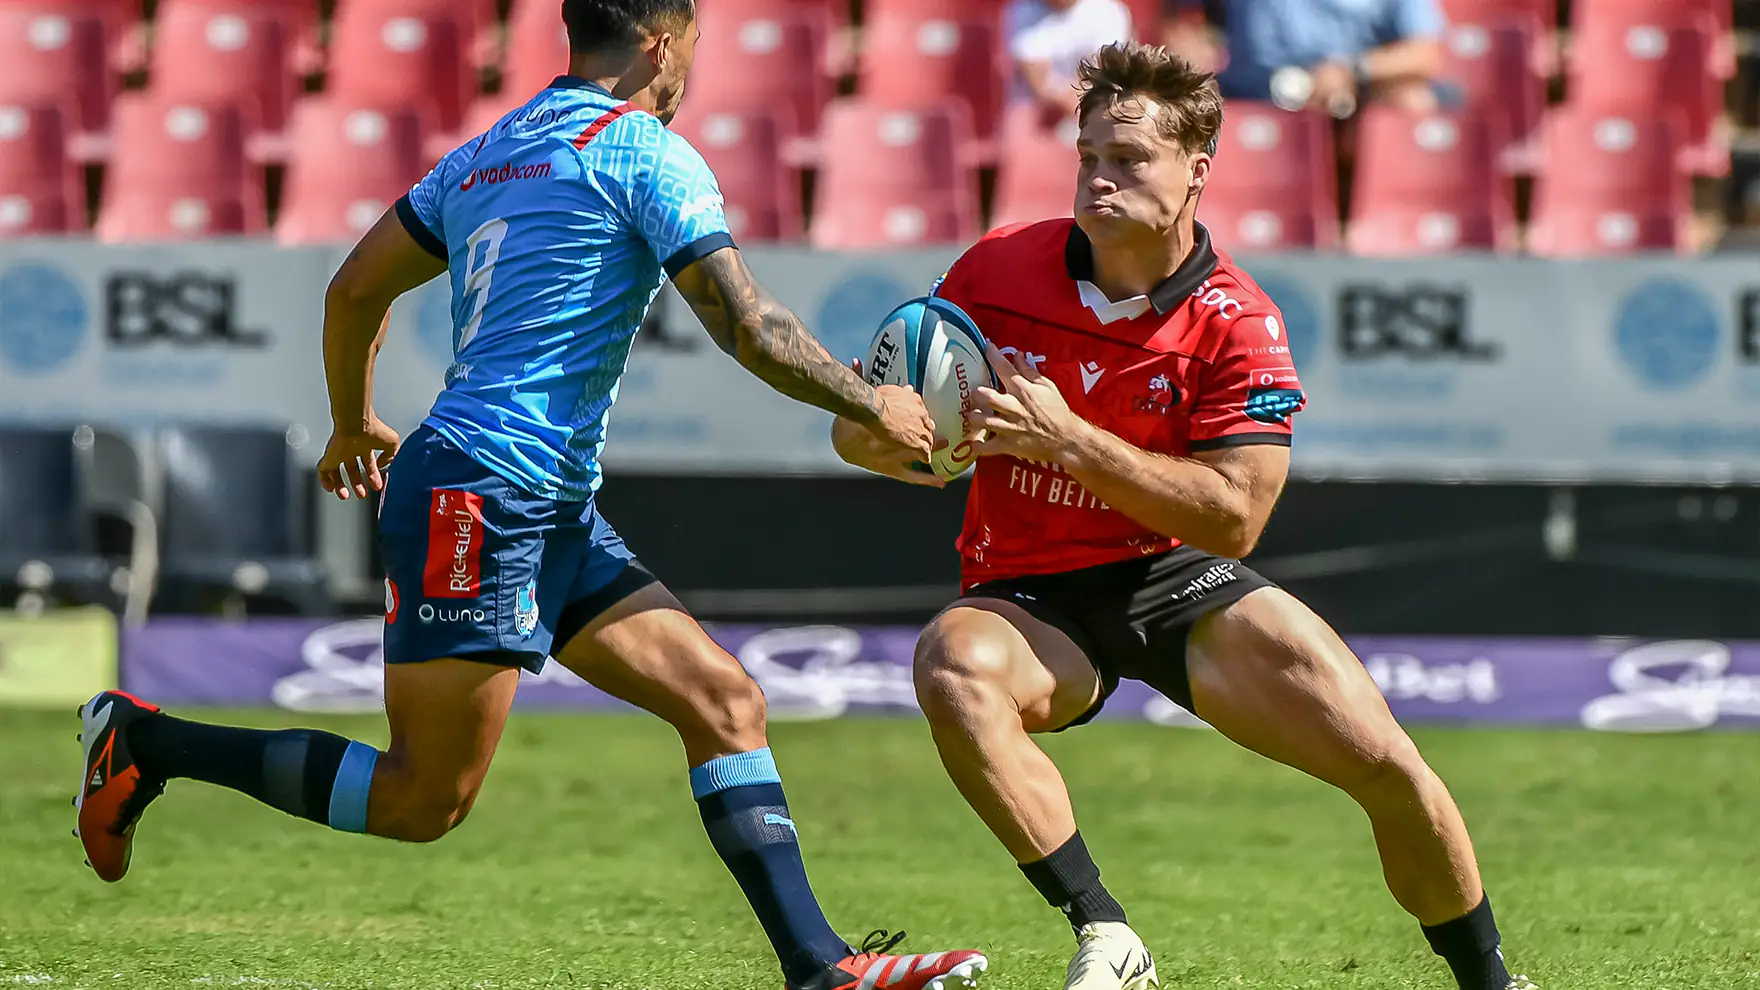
x: 1132, y: 617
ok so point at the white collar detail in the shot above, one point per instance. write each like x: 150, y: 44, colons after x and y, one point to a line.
x: 1107, y: 311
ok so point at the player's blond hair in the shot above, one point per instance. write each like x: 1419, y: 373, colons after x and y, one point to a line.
x: 1191, y: 108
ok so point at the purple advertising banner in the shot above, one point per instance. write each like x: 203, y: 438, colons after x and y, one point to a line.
x: 819, y: 672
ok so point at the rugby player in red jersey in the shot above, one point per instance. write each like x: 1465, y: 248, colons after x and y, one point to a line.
x: 1133, y: 454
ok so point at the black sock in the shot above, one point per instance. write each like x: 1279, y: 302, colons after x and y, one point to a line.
x: 1469, y: 944
x: 1070, y: 881
x: 298, y: 771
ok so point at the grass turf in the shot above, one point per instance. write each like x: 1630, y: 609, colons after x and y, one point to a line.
x: 1614, y: 862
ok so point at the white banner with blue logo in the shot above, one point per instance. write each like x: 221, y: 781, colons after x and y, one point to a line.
x: 1458, y: 368
x: 126, y: 336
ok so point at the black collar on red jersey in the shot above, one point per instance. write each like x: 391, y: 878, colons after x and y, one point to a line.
x: 1078, y: 258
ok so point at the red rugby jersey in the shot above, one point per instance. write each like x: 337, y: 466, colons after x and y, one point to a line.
x: 1201, y: 363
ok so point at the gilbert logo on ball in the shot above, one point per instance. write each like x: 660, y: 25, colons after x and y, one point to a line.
x: 932, y: 346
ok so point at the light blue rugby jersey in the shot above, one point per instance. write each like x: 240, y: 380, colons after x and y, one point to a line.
x: 557, y: 225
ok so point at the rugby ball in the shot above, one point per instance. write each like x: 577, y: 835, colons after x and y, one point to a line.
x: 932, y: 346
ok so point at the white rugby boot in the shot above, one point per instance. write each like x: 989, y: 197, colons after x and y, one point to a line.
x: 1520, y: 983
x: 1111, y: 957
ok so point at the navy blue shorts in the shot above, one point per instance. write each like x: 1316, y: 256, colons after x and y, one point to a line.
x: 480, y: 569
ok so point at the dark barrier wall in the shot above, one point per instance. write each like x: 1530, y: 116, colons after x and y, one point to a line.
x: 1381, y: 558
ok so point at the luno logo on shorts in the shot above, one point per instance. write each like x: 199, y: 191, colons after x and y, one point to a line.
x: 455, y: 545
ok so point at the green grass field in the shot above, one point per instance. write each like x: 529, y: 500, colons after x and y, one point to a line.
x: 1614, y: 862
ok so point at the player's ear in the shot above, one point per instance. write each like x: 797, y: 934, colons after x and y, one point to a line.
x: 1200, y: 163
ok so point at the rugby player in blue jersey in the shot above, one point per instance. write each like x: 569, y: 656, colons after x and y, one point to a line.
x: 556, y: 226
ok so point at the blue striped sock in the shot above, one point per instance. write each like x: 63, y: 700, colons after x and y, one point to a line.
x: 746, y: 814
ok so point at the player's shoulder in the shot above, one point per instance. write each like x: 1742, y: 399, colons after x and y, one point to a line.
x: 1011, y: 255
x: 1230, y: 311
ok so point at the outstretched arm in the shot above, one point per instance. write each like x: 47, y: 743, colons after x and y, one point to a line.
x: 772, y: 343
x: 384, y: 265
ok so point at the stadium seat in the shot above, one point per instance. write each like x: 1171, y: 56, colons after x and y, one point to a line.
x: 1644, y: 70
x: 762, y: 54
x: 1428, y: 184
x: 54, y: 52
x: 930, y: 58
x: 178, y: 173
x: 743, y: 146
x: 40, y: 187
x: 1035, y: 167
x: 404, y: 55
x: 476, y: 19
x: 349, y: 165
x: 1543, y: 13
x: 47, y: 543
x: 1610, y: 186
x: 1715, y: 17
x: 1496, y: 66
x: 893, y: 177
x: 1274, y: 183
x: 233, y: 522
x: 1720, y: 14
x: 537, y: 49
x: 240, y: 52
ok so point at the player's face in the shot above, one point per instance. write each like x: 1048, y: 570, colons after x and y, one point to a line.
x: 675, y: 66
x: 1132, y: 180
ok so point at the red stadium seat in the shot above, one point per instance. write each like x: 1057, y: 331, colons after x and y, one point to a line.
x: 1544, y: 13
x: 40, y: 188
x: 744, y: 148
x: 178, y: 173
x: 1274, y: 183
x: 763, y: 54
x: 394, y: 54
x: 1428, y: 184
x: 55, y: 52
x: 1497, y: 68
x: 1647, y: 70
x: 911, y: 59
x: 237, y: 52
x: 350, y: 164
x: 1715, y: 17
x: 1035, y: 167
x: 1610, y: 186
x: 1720, y: 14
x: 475, y: 18
x: 537, y: 49
x: 893, y: 177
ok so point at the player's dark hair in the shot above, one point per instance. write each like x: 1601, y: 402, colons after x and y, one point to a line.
x: 1191, y: 111
x: 614, y: 25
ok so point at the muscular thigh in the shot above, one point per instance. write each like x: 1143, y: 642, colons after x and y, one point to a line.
x: 1045, y: 673
x: 1272, y: 676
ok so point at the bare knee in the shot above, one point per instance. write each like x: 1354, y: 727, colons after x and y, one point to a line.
x: 727, y: 710
x: 960, y: 670
x: 422, y: 814
x: 1386, y: 772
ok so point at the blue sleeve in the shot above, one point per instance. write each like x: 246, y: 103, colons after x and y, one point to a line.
x: 1411, y: 19
x: 677, y: 206
x: 419, y: 209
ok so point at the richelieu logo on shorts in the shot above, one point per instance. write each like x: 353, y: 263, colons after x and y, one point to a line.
x: 454, y: 568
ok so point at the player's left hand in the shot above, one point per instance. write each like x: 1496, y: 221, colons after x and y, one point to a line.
x: 1028, y: 418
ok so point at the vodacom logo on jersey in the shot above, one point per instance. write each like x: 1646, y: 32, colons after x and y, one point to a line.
x: 1226, y: 306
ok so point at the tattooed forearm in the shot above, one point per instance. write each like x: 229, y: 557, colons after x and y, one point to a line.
x: 768, y: 340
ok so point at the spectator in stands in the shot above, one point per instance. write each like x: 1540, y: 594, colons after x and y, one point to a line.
x: 1047, y: 40
x: 1332, y: 54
